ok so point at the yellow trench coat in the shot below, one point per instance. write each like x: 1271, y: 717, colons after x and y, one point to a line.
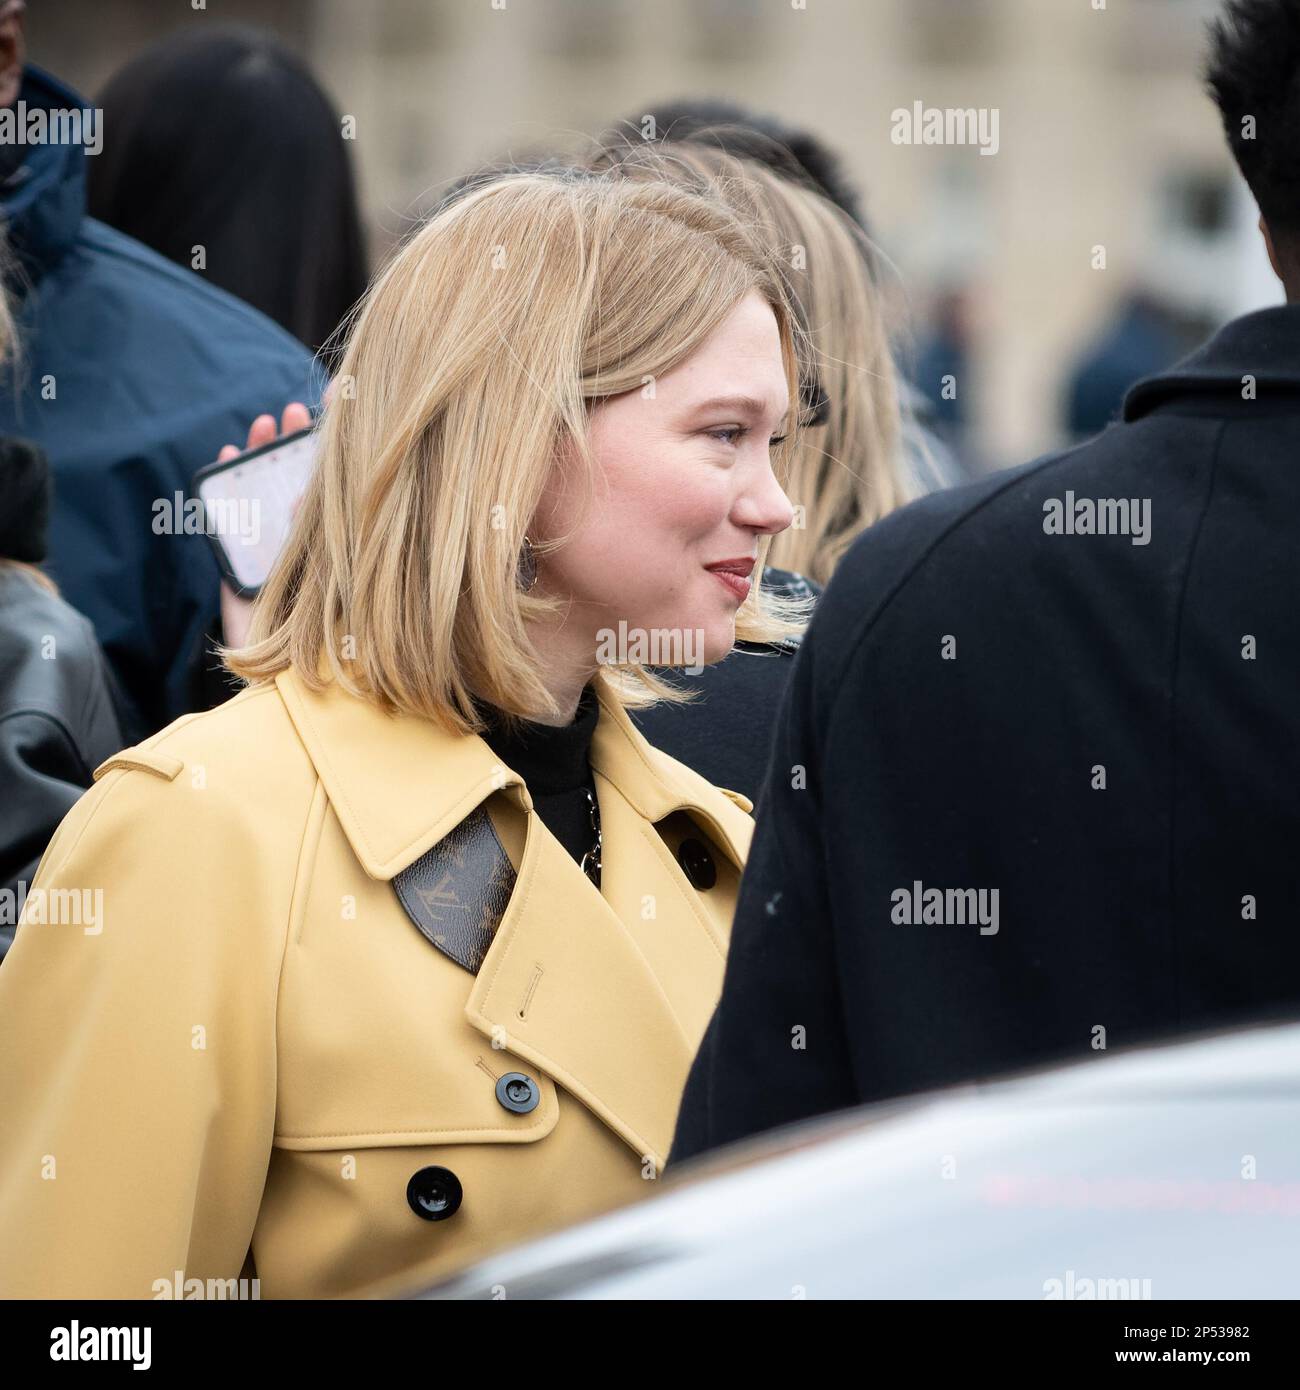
x: 244, y: 1064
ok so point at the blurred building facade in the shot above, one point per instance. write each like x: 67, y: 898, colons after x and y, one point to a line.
x: 1105, y: 140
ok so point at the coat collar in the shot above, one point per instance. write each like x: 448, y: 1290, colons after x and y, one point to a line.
x: 1264, y: 345
x: 610, y: 1007
x: 399, y: 784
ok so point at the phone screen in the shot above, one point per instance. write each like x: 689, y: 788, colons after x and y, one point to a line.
x: 249, y: 504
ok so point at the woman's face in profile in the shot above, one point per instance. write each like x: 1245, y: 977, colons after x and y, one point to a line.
x: 686, y: 491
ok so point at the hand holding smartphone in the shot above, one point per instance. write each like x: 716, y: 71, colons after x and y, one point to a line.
x: 250, y: 498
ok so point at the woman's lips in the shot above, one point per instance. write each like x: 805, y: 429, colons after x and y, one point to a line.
x: 734, y: 574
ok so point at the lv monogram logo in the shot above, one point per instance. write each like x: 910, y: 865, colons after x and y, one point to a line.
x: 439, y: 897
x: 457, y: 892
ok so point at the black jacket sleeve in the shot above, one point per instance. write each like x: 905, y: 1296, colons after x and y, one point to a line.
x: 57, y: 724
x: 44, y: 774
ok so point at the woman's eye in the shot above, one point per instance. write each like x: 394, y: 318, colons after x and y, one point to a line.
x: 731, y: 433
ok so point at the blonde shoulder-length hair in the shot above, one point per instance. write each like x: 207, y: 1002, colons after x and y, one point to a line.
x: 847, y: 472
x: 469, y: 372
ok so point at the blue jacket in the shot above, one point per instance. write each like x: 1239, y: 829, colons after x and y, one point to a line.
x: 131, y: 374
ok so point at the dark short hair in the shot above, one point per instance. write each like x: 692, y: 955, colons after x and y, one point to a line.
x: 1253, y: 73
x: 222, y: 137
x: 787, y: 150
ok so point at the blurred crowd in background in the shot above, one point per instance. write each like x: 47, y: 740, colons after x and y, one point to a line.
x: 970, y: 311
x: 1104, y: 141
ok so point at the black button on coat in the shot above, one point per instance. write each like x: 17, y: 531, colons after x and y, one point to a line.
x: 697, y: 863
x: 434, y: 1193
x: 518, y: 1093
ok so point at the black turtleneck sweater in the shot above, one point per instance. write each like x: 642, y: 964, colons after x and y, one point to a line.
x: 554, y: 762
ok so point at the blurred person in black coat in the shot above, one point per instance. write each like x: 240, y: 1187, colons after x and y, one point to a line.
x: 1035, y: 793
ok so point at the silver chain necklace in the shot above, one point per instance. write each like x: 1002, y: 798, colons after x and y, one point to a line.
x: 591, y: 860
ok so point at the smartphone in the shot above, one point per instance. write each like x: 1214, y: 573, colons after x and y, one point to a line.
x: 249, y: 503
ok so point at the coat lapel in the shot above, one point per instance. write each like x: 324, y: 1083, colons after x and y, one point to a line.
x: 397, y: 784
x: 607, y: 991
x: 610, y: 992
x: 566, y: 986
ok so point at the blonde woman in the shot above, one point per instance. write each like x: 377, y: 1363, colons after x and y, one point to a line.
x: 846, y: 472
x: 366, y: 999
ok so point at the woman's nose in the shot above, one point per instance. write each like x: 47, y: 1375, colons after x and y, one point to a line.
x: 765, y: 508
